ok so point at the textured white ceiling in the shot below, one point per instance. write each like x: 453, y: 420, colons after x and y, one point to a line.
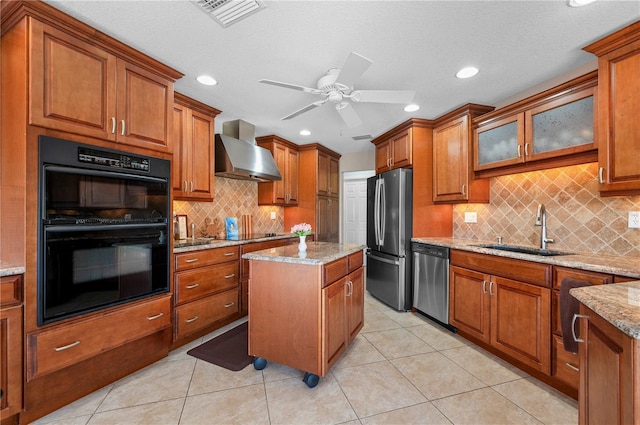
x: 414, y: 45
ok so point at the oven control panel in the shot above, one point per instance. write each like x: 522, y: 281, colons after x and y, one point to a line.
x: 114, y: 160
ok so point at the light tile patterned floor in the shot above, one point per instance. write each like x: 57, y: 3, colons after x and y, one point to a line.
x: 401, y: 369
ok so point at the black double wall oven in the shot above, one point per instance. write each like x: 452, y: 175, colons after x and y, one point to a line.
x: 103, y: 236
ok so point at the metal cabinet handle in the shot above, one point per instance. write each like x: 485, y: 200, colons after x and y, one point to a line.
x: 463, y: 189
x: 193, y: 319
x: 191, y: 185
x: 491, y: 288
x: 113, y: 125
x: 229, y: 276
x: 66, y: 347
x: 526, y: 149
x: 191, y: 260
x: 573, y: 326
x: 228, y: 254
x: 229, y: 305
x: 350, y: 288
x: 195, y: 285
x: 122, y: 130
x: 572, y: 367
x: 157, y: 316
x: 601, y: 175
x: 484, y: 286
x: 519, y: 154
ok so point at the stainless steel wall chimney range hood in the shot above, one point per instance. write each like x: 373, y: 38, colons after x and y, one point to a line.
x: 238, y: 157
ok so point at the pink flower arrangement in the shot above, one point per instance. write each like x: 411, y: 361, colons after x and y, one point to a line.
x: 302, y: 229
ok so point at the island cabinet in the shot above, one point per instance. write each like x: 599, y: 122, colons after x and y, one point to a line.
x: 10, y: 346
x: 192, y: 173
x: 565, y: 365
x: 618, y: 104
x: 453, y: 177
x: 86, y: 84
x: 550, y: 129
x: 318, y: 201
x: 305, y: 309
x: 207, y: 291
x: 283, y: 192
x: 610, y: 361
x: 394, y: 149
x: 503, y: 303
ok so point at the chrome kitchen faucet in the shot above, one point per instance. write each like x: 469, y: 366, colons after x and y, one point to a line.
x: 541, y: 220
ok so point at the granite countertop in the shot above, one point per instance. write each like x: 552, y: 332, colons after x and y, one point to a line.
x: 317, y: 253
x: 616, y: 265
x: 7, y: 269
x: 191, y: 244
x: 618, y: 304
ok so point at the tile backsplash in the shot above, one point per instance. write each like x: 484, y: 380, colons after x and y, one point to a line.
x: 233, y: 198
x: 578, y: 219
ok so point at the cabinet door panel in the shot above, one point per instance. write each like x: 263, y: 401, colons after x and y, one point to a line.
x: 11, y: 361
x: 179, y: 184
x: 382, y: 157
x: 498, y: 144
x: 323, y: 174
x: 292, y: 177
x: 356, y: 303
x: 201, y: 155
x: 469, y: 302
x: 336, y: 333
x: 451, y: 160
x: 520, y: 321
x: 401, y: 150
x: 72, y: 84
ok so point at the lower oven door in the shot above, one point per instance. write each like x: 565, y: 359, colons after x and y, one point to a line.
x: 85, y: 268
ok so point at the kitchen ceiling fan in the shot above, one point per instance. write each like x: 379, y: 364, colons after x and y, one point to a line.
x: 336, y: 87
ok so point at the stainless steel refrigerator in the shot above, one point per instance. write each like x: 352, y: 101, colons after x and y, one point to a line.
x: 389, y: 230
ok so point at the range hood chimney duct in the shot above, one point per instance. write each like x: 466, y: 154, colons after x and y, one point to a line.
x: 238, y: 157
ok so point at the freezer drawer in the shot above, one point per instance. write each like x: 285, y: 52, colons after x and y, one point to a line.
x: 387, y: 280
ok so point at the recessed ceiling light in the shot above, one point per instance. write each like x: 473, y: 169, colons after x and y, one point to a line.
x: 411, y: 108
x: 467, y: 72
x: 579, y: 3
x: 207, y: 80
x: 305, y: 133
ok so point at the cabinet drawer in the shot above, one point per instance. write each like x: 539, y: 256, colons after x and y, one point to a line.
x: 201, y: 313
x: 203, y: 281
x: 56, y: 348
x: 10, y: 290
x: 355, y: 261
x: 594, y: 278
x: 206, y: 257
x: 257, y: 246
x: 524, y: 271
x: 334, y: 271
x: 565, y: 365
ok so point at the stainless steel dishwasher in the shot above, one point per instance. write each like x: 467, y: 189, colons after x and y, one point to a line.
x: 431, y: 282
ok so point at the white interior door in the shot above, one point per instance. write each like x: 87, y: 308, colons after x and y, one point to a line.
x: 355, y: 211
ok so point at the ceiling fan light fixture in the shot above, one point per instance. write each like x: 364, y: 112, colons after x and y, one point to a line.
x: 411, y: 108
x: 467, y: 72
x: 207, y: 80
x: 305, y: 133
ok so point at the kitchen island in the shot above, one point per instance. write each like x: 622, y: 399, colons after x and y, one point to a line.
x: 305, y: 307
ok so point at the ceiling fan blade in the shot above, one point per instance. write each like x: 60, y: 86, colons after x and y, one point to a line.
x: 305, y: 109
x: 353, y: 68
x: 383, y: 96
x: 291, y: 86
x: 348, y: 114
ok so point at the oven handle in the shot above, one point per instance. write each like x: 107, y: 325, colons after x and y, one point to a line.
x: 82, y: 227
x: 99, y: 173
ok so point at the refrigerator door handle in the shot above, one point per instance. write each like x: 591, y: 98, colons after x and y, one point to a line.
x: 383, y: 212
x: 383, y: 260
x: 376, y: 212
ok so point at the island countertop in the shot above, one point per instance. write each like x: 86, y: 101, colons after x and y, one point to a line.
x: 618, y: 304
x: 316, y: 253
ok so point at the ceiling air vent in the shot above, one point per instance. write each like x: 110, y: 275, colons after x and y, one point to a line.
x: 227, y: 12
x: 363, y: 137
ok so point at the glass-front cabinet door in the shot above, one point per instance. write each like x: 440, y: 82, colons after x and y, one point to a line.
x: 499, y: 143
x: 560, y: 127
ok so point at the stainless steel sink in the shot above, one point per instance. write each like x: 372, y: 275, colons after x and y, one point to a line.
x: 524, y: 249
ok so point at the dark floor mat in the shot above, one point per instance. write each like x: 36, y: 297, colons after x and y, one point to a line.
x: 228, y: 350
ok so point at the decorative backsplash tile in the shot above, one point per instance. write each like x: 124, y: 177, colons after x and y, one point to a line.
x: 233, y: 198
x: 578, y: 219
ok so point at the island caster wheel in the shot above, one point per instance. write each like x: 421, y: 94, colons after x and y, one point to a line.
x: 310, y: 379
x: 259, y: 363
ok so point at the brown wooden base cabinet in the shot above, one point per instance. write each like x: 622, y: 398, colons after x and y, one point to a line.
x: 609, y: 362
x: 305, y: 316
x: 10, y: 346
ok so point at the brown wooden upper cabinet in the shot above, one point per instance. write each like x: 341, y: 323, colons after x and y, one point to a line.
x: 453, y: 177
x: 192, y: 167
x: 328, y: 174
x: 81, y: 88
x: 618, y: 133
x: 394, y: 149
x: 550, y: 129
x: 285, y: 191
